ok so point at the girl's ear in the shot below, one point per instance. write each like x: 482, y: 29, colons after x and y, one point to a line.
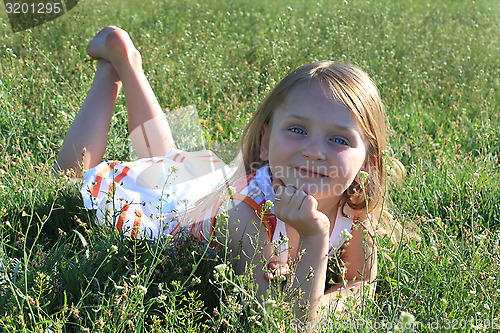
x: 264, y: 143
x: 365, y: 168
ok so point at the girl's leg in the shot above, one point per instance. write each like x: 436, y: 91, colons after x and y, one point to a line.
x: 90, y: 128
x: 148, y: 127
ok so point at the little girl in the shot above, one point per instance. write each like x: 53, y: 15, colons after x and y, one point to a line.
x: 313, y: 149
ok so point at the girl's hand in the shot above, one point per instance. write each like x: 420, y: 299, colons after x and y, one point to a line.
x: 299, y: 210
x: 276, y: 270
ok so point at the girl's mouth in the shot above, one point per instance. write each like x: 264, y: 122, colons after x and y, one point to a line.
x: 304, y: 172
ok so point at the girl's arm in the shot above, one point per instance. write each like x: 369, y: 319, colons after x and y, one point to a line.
x: 310, y: 274
x: 352, y: 283
x: 300, y: 212
x: 245, y: 237
x: 241, y: 232
x: 360, y: 264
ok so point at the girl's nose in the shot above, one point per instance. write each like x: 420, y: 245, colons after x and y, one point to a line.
x: 313, y: 150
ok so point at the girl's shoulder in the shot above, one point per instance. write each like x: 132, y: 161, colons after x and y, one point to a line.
x: 251, y: 198
x: 254, y: 188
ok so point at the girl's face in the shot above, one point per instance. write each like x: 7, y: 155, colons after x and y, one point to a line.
x: 314, y: 143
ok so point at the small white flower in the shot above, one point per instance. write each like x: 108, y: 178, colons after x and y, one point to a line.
x: 142, y: 290
x: 114, y: 248
x: 270, y: 303
x: 363, y: 176
x: 220, y: 270
x: 407, y: 317
x: 486, y: 306
x: 268, y: 205
x: 346, y: 235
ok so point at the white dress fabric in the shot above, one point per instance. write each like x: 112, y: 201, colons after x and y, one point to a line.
x: 146, y: 198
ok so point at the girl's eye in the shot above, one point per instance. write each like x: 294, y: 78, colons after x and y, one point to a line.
x: 339, y: 141
x: 297, y: 130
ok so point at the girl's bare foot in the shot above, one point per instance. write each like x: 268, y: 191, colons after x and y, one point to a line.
x: 114, y: 45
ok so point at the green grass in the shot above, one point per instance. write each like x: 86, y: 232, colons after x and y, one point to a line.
x: 436, y: 65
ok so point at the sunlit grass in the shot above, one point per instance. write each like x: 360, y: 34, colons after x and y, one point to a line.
x: 436, y: 65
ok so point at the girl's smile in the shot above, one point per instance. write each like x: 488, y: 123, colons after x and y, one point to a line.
x: 314, y: 142
x: 307, y: 173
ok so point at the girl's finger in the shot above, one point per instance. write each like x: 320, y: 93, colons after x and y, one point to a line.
x: 274, y: 263
x: 283, y: 271
x: 278, y: 268
x: 297, y: 199
x: 277, y: 183
x: 310, y: 203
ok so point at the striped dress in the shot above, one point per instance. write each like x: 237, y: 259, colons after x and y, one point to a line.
x: 147, y: 198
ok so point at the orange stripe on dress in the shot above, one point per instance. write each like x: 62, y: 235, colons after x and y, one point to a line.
x: 175, y: 157
x: 122, y: 174
x: 137, y: 224
x: 99, y: 178
x: 254, y: 192
x: 204, y: 156
x: 269, y: 220
x: 121, y: 218
x: 210, y: 159
x: 174, y: 229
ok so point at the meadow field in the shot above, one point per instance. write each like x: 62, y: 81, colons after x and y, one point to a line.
x: 437, y: 66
